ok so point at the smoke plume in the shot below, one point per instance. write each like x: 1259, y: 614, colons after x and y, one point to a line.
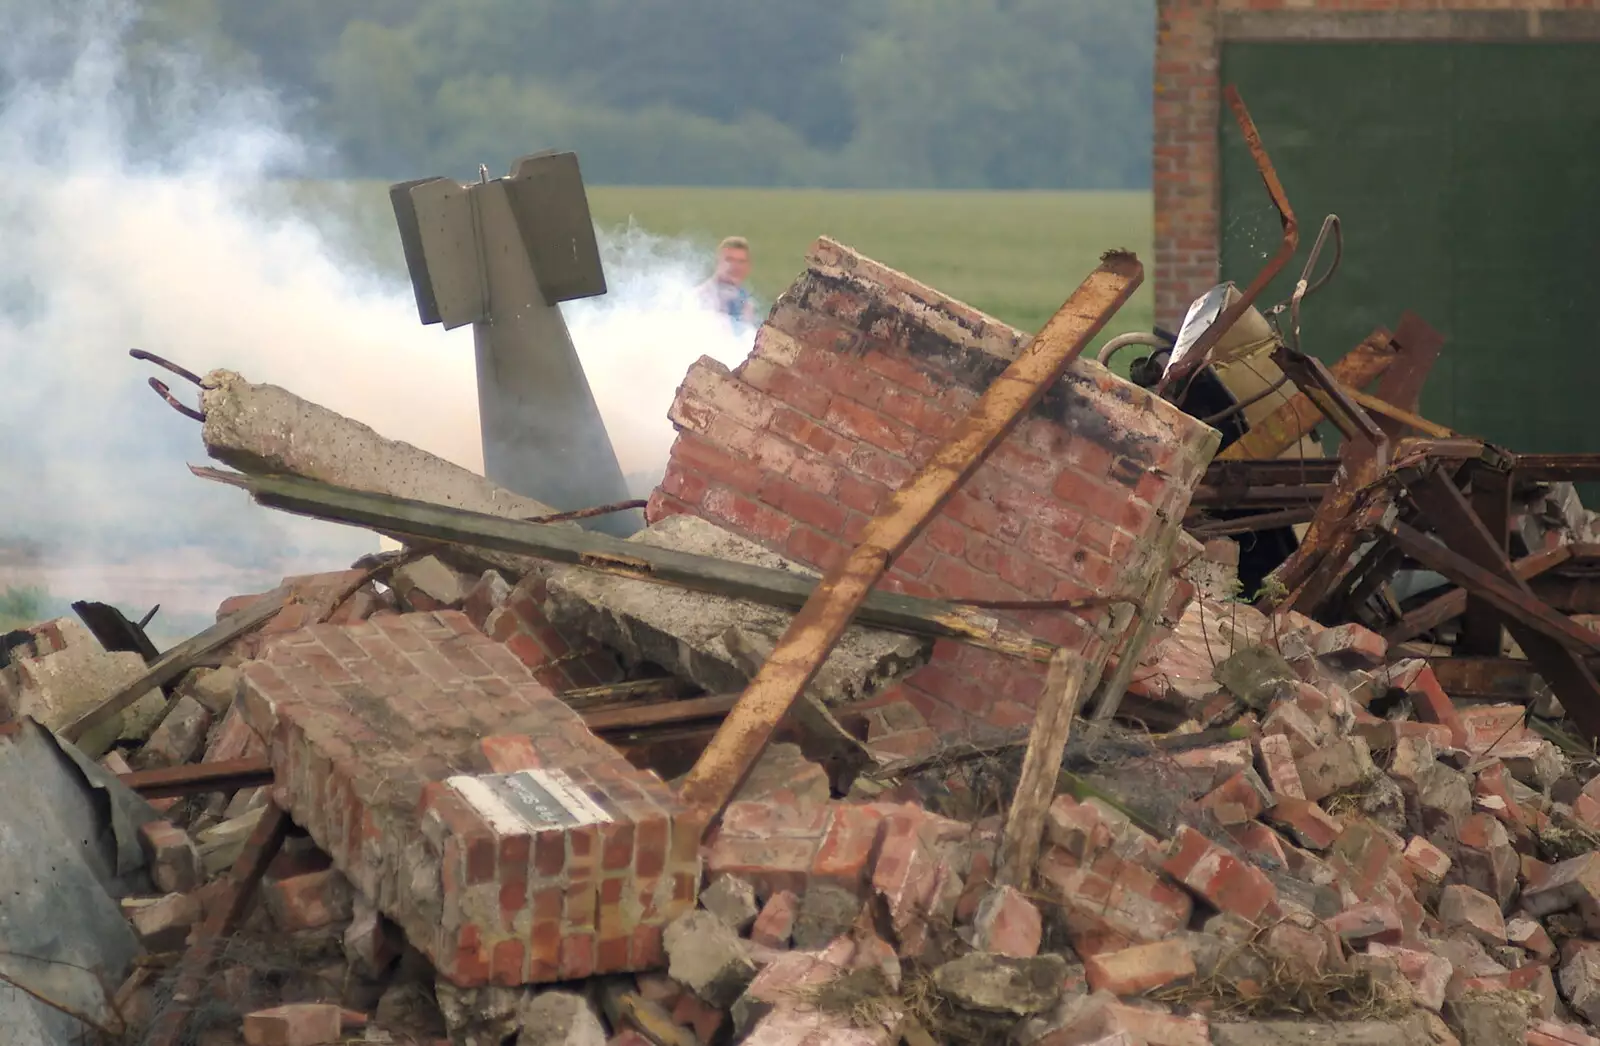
x: 135, y: 214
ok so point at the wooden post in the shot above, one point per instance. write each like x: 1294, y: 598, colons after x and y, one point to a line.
x: 1036, y: 787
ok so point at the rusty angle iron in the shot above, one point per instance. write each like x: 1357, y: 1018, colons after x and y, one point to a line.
x: 815, y: 630
x: 1199, y: 355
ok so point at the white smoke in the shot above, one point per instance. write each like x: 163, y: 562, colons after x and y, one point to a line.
x: 142, y: 225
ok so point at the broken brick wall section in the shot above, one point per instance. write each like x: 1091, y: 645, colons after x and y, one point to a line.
x: 857, y: 376
x: 468, y: 803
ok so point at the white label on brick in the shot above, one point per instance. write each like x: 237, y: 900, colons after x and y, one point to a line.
x: 530, y: 799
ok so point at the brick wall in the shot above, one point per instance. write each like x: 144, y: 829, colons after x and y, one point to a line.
x: 855, y: 378
x: 468, y: 803
x: 1188, y: 97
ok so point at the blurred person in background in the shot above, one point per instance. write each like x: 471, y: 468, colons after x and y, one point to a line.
x: 725, y: 291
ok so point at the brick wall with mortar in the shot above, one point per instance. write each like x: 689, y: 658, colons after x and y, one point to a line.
x: 1188, y: 97
x: 468, y: 803
x: 857, y: 375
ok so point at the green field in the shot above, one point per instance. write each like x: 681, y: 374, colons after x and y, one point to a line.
x: 1015, y: 255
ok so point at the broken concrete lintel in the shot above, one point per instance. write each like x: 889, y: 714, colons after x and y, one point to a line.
x: 264, y: 429
x: 563, y: 544
x: 708, y: 638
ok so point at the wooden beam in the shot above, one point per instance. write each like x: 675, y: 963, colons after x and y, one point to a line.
x: 657, y: 714
x: 422, y: 521
x: 820, y: 623
x: 1041, y: 766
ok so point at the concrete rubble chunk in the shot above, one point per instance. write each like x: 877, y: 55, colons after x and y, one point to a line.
x: 1489, y: 1018
x: 58, y: 687
x: 163, y: 923
x: 428, y: 584
x: 1007, y: 923
x: 213, y: 687
x: 1340, y: 765
x: 1411, y: 1031
x: 1257, y: 675
x: 705, y: 955
x: 686, y: 632
x: 173, y: 859
x: 264, y: 429
x: 219, y: 845
x: 732, y: 900
x: 826, y: 910
x: 1463, y: 908
x: 560, y: 1019
x: 180, y: 738
x: 1580, y: 984
x: 1001, y: 984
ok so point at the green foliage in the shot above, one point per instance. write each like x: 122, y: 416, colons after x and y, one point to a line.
x: 847, y: 93
x: 20, y: 607
x: 1015, y: 255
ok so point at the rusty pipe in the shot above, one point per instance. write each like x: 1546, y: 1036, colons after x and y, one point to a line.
x: 1197, y: 356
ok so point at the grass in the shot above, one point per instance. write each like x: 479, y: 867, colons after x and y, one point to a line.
x: 1014, y: 255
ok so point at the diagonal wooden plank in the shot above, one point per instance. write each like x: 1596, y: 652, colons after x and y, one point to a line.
x: 1452, y: 604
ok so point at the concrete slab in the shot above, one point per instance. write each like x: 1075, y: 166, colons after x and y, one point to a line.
x: 708, y: 639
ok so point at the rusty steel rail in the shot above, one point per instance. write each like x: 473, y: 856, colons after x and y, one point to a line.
x: 815, y: 630
x: 230, y: 775
x: 1199, y: 354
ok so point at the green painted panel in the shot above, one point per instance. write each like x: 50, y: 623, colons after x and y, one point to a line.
x: 1467, y: 179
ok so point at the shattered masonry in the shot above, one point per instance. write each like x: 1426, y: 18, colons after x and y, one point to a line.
x: 1338, y: 836
x: 855, y: 377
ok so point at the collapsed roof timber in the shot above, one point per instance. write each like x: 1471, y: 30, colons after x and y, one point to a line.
x: 926, y: 707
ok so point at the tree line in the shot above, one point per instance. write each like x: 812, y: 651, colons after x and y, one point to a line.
x: 949, y: 94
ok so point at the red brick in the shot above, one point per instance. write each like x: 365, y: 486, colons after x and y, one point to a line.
x: 775, y: 925
x: 297, y: 1024
x: 1135, y: 970
x: 1237, y: 800
x: 306, y: 902
x: 1351, y: 646
x: 1222, y: 880
x: 1113, y: 899
x: 1432, y: 704
x: 846, y: 851
x: 1371, y: 921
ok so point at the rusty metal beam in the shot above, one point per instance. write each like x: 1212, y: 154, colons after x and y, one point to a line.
x: 1509, y: 596
x: 1555, y: 468
x: 1417, y: 347
x: 1216, y: 528
x: 1279, y: 496
x: 1452, y: 604
x: 1491, y: 503
x: 1543, y: 634
x: 1298, y: 415
x: 229, y: 775
x: 196, y: 967
x: 1199, y: 353
x: 817, y: 627
x: 1226, y: 474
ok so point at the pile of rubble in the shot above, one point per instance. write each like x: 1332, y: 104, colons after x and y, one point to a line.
x: 459, y: 793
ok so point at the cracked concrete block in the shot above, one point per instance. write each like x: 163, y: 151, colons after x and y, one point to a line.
x: 687, y: 632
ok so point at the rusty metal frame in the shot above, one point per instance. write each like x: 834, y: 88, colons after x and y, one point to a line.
x: 1557, y: 646
x: 821, y: 622
x: 1199, y: 354
x: 1452, y: 604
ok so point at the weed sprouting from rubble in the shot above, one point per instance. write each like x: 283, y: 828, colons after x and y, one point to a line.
x: 149, y: 204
